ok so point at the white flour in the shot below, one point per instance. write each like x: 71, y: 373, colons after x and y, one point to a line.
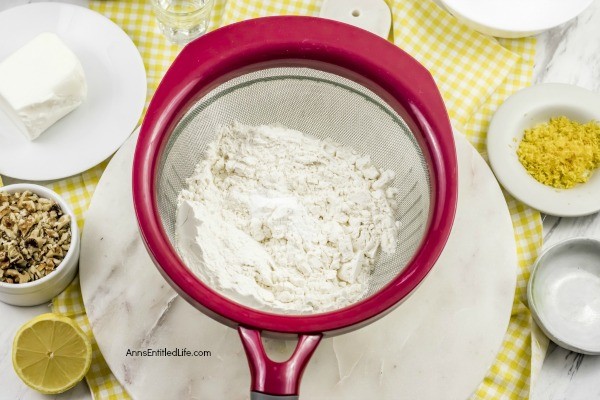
x: 280, y: 221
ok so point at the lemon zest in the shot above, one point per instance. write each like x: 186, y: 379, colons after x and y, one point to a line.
x: 561, y: 153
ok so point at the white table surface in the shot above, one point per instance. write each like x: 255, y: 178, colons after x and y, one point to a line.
x: 568, y: 54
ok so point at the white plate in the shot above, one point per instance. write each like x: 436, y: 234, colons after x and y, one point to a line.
x: 524, y: 110
x: 515, y: 18
x: 116, y: 81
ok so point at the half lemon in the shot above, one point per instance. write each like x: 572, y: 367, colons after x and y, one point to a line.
x: 51, y: 354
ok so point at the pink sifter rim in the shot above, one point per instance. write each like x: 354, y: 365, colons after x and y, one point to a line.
x: 310, y: 42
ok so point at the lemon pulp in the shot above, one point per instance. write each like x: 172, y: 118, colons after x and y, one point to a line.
x: 51, y: 354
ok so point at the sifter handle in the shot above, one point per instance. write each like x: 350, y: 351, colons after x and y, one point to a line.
x: 272, y: 380
x: 263, y: 396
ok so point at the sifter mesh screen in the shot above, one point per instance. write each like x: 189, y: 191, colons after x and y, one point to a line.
x: 320, y: 104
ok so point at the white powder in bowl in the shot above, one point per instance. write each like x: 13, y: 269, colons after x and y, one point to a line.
x: 283, y: 222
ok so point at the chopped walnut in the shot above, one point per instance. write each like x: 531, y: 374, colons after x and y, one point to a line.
x: 35, y: 235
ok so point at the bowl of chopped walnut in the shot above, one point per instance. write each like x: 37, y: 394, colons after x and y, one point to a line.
x: 39, y: 244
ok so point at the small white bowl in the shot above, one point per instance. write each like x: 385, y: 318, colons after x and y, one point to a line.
x: 524, y: 110
x: 515, y: 18
x: 42, y: 290
x: 564, y: 294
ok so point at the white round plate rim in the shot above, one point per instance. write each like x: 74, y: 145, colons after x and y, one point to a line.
x: 116, y: 79
x: 523, y: 110
x: 540, y: 318
x: 499, y: 16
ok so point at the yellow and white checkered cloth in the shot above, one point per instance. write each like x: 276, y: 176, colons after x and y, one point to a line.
x: 475, y: 74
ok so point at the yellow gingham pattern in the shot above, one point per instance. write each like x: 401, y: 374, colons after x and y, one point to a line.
x: 239, y: 10
x: 475, y: 74
x: 137, y: 19
x: 468, y: 66
x: 79, y: 189
x: 523, y: 346
x: 101, y: 381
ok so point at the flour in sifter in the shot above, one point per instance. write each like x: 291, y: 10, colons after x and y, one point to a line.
x: 283, y: 222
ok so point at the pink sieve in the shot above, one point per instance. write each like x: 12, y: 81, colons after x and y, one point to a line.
x: 326, y: 79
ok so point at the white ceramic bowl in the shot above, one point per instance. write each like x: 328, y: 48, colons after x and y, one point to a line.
x: 564, y: 294
x: 515, y: 18
x: 524, y: 110
x: 44, y: 289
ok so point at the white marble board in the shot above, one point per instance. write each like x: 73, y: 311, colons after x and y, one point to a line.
x: 438, y: 344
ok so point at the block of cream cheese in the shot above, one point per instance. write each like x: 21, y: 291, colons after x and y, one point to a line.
x: 40, y: 83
